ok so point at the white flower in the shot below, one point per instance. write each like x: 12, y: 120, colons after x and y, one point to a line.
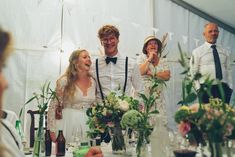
x: 104, y: 112
x: 123, y: 105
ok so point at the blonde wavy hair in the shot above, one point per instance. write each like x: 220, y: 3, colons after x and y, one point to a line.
x: 72, y: 74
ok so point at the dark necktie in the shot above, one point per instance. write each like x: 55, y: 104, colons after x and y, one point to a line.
x: 218, y: 70
x: 110, y: 59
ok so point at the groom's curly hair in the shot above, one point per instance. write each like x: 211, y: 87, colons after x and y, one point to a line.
x: 107, y: 30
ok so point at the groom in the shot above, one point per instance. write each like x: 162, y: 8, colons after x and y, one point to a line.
x: 115, y: 71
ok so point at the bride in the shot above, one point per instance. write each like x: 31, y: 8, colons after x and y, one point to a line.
x: 75, y: 92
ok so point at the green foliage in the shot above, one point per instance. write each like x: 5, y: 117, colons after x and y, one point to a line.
x: 189, y: 93
x: 213, y: 122
x: 43, y: 99
x: 181, y: 114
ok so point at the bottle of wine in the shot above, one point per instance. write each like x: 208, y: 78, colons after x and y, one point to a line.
x: 60, y: 144
x: 48, y: 143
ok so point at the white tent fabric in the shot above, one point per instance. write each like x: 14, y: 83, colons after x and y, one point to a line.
x: 45, y: 32
x: 185, y: 28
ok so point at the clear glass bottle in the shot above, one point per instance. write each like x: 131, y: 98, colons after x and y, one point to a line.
x: 60, y: 144
x: 159, y: 138
x: 19, y: 129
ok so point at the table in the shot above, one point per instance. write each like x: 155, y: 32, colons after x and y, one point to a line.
x: 130, y: 152
x: 106, y: 149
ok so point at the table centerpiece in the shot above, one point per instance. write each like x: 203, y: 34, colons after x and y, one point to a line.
x: 141, y: 117
x: 43, y: 99
x: 104, y: 119
x: 210, y: 124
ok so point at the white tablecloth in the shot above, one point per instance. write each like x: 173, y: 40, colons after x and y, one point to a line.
x: 130, y: 152
x: 106, y: 149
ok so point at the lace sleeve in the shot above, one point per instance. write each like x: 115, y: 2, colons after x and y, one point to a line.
x: 51, y: 120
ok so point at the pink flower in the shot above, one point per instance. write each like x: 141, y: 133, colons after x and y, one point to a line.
x: 218, y: 112
x: 141, y: 107
x: 184, y: 128
x: 229, y: 129
x: 194, y: 108
x: 110, y: 124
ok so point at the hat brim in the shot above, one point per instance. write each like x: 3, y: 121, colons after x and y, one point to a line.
x: 159, y: 43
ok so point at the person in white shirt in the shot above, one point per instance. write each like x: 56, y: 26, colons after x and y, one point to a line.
x: 10, y: 141
x: 203, y: 61
x: 115, y: 71
x: 11, y: 116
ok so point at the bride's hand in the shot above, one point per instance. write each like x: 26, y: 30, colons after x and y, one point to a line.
x: 53, y: 136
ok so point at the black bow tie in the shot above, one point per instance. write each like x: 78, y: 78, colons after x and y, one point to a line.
x: 109, y: 59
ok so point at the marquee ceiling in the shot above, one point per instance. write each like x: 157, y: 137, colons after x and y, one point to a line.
x: 222, y: 10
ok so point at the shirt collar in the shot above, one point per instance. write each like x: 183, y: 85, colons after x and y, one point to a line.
x: 117, y: 55
x: 209, y: 44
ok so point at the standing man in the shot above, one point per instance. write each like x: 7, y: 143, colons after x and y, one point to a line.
x: 114, y: 71
x: 212, y: 61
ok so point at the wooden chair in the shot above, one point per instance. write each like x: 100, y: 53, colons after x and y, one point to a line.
x: 33, y: 127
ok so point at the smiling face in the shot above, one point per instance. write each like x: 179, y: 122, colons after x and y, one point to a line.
x: 110, y: 44
x: 83, y: 62
x: 109, y: 38
x: 211, y: 33
x: 152, y: 45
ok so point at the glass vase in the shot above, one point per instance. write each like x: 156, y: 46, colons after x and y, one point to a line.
x: 228, y: 148
x: 144, y: 151
x: 141, y: 147
x: 160, y: 133
x: 19, y: 129
x: 39, y: 144
x: 118, y: 142
x: 215, y: 149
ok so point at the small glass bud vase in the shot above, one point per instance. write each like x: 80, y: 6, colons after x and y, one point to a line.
x: 215, y: 149
x: 39, y: 143
x: 19, y: 129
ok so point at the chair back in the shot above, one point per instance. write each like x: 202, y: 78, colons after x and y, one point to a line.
x: 33, y: 126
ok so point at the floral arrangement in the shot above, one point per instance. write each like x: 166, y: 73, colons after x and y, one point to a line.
x: 105, y: 116
x: 212, y: 123
x: 140, y: 117
x: 43, y: 99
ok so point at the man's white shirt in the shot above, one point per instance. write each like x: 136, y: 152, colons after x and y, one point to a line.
x: 112, y: 76
x: 202, y: 61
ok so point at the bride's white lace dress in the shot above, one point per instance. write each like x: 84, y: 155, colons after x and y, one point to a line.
x: 74, y: 118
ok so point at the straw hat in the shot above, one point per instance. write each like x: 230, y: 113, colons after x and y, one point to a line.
x: 151, y: 37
